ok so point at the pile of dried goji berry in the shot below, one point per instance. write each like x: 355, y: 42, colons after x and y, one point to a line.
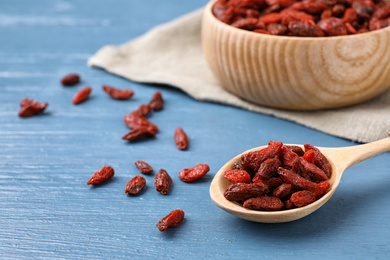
x: 279, y: 177
x: 141, y: 128
x: 310, y: 18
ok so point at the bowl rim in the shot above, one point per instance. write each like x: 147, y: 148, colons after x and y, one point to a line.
x: 208, y: 11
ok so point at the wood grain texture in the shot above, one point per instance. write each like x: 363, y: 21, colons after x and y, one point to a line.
x: 298, y: 73
x: 48, y: 212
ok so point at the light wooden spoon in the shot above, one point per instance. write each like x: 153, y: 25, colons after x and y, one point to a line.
x: 340, y: 159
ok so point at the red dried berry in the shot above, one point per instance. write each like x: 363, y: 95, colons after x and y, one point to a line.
x: 143, y: 167
x: 143, y: 110
x: 302, y: 198
x: 139, y: 134
x: 173, y: 219
x: 309, y: 156
x: 194, y: 173
x: 320, y: 160
x: 296, y: 149
x: 383, y: 11
x: 333, y: 26
x: 264, y: 202
x: 120, y: 94
x: 350, y: 16
x: 82, y: 95
x: 322, y: 189
x: 26, y: 102
x: 30, y: 107
x: 309, y: 7
x: 103, y: 175
x: 288, y: 204
x: 254, y: 159
x: 296, y: 180
x: 181, y: 138
x: 236, y: 176
x: 244, y: 191
x: 157, y: 103
x: 282, y: 191
x: 308, y: 169
x: 267, y: 169
x: 287, y: 156
x: 162, y: 182
x: 135, y: 121
x: 70, y: 79
x: 135, y: 185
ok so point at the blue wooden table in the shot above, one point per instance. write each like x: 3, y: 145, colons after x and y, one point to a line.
x: 48, y: 212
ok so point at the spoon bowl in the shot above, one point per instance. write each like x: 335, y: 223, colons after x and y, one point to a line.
x: 340, y: 159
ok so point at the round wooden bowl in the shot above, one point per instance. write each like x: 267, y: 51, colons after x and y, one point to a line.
x: 297, y: 73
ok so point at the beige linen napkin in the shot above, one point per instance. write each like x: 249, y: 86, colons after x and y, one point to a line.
x: 172, y: 54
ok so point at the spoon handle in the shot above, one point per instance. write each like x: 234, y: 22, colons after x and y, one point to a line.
x: 345, y: 157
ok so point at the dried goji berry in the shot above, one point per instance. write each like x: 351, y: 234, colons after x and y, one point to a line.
x: 194, y: 173
x: 296, y: 180
x: 282, y: 191
x: 271, y: 183
x: 162, y: 182
x: 26, y: 102
x: 244, y: 191
x: 288, y: 204
x: 267, y: 169
x: 181, y: 138
x: 173, y: 219
x: 135, y: 185
x: 143, y: 167
x: 374, y: 24
x: 350, y: 16
x: 245, y: 23
x: 350, y: 28
x: 235, y: 176
x: 333, y: 26
x: 271, y: 18
x: 338, y: 10
x: 143, y: 110
x: 320, y: 159
x: 30, y: 107
x: 120, y: 94
x: 309, y: 156
x: 287, y: 156
x: 321, y: 190
x: 302, y: 198
x: 326, y: 14
x: 70, y: 79
x: 82, y: 95
x: 103, y: 175
x: 157, y: 102
x: 296, y: 149
x: 309, y: 169
x: 254, y: 159
x: 309, y: 7
x: 277, y: 29
x: 305, y: 29
x: 363, y: 11
x: 382, y: 12
x: 134, y: 121
x: 264, y: 202
x: 139, y: 134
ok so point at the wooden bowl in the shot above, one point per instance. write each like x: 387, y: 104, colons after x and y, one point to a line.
x: 297, y: 73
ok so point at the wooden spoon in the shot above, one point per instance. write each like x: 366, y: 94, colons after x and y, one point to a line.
x: 340, y: 159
